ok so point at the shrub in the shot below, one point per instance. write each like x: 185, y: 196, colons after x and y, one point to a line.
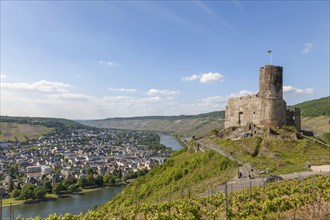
x: 289, y: 128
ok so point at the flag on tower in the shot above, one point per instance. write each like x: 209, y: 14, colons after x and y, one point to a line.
x: 269, y: 51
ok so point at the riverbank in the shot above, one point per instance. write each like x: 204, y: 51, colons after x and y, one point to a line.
x: 74, y: 204
x: 52, y: 196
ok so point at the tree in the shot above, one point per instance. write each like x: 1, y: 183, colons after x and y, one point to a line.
x: 82, y: 182
x: 27, y: 192
x: 112, y: 180
x: 15, y: 193
x: 47, y: 185
x: 90, y: 180
x: 13, y: 170
x: 72, y: 188
x: 57, y: 188
x: 99, y: 180
x: 67, y: 182
x: 106, y: 178
x: 10, y: 184
x: 90, y: 171
x: 39, y: 192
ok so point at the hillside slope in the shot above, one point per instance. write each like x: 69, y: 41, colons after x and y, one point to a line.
x: 21, y: 132
x: 315, y: 115
x: 275, y: 155
x: 191, y: 125
x: 314, y: 108
x: 318, y: 125
x: 28, y: 128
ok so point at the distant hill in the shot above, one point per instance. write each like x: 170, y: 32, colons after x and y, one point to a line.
x: 10, y: 131
x: 56, y: 123
x: 28, y: 128
x: 314, y: 108
x: 191, y: 125
x: 315, y: 115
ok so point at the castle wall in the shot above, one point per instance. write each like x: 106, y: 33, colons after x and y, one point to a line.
x: 267, y: 108
x: 297, y: 119
x: 273, y: 107
x: 242, y: 110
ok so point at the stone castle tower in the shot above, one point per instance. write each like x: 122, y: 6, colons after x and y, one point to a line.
x: 266, y: 108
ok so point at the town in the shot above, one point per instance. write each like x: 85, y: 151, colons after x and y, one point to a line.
x: 78, y: 158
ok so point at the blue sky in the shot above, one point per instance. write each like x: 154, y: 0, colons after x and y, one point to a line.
x: 101, y: 59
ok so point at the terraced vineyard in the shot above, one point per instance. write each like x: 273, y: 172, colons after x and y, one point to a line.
x: 292, y: 198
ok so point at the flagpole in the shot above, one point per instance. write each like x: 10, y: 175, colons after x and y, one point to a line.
x: 270, y: 56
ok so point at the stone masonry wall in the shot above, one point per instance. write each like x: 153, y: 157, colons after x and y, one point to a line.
x: 266, y: 108
x: 243, y: 110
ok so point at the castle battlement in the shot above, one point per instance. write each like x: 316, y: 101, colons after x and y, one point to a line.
x: 266, y: 108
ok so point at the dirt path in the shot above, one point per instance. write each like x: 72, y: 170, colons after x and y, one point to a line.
x: 244, y: 168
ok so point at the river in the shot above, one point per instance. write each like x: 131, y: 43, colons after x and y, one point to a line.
x: 170, y: 141
x: 73, y: 204
x: 76, y: 203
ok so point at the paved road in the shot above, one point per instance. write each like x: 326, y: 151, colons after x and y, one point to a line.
x: 245, y: 183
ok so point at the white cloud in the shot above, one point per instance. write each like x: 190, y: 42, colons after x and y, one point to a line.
x: 70, y: 96
x: 307, y: 48
x: 211, y: 77
x: 241, y: 93
x: 296, y: 91
x: 122, y: 90
x: 162, y: 92
x: 191, y: 78
x: 205, y: 77
x: 109, y: 63
x: 2, y: 76
x: 40, y: 86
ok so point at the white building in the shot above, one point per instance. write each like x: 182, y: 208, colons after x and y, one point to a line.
x: 33, y: 169
x: 45, y: 169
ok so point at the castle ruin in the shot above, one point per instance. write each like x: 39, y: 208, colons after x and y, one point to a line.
x: 266, y: 108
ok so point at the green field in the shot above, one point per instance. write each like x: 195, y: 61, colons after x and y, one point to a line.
x: 21, y: 132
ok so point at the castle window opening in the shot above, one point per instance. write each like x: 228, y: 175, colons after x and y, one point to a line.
x: 240, y: 117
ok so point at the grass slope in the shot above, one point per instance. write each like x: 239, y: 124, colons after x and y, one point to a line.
x: 21, y: 132
x: 191, y: 125
x: 185, y: 173
x: 314, y: 108
x: 280, y: 156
